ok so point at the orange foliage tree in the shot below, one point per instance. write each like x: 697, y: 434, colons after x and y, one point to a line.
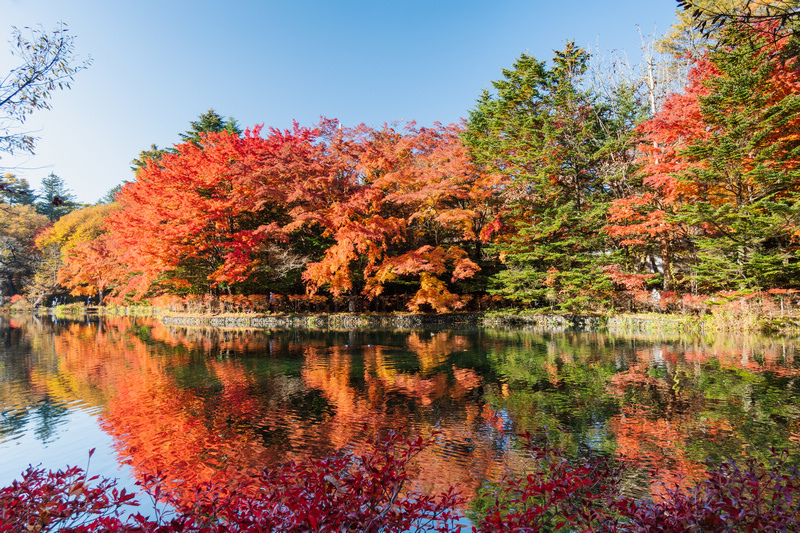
x: 416, y: 213
x: 88, y: 263
x: 355, y: 210
x: 203, y: 217
x: 719, y: 199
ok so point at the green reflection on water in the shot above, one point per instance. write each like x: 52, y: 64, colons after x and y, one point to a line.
x: 262, y: 396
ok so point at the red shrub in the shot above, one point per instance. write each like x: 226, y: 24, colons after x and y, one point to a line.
x: 753, y: 497
x: 61, y: 501
x: 342, y: 492
x: 559, y: 493
x: 349, y: 492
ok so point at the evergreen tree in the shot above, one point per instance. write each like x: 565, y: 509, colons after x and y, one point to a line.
x: 111, y: 196
x: 210, y: 122
x: 153, y: 154
x: 548, y: 136
x: 745, y: 169
x: 54, y: 199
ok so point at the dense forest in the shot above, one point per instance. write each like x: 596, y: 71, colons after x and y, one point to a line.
x: 569, y: 186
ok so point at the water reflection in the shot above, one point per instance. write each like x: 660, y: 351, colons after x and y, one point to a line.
x: 203, y: 404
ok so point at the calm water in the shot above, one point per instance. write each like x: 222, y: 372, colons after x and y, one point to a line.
x: 195, y: 403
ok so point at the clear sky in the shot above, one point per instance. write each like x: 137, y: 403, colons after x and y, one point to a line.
x: 158, y: 64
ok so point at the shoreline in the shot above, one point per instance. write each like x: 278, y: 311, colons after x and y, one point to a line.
x: 622, y: 323
x: 717, y: 322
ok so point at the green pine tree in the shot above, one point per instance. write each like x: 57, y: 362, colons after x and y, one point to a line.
x: 746, y: 171
x: 54, y: 199
x: 210, y: 122
x: 552, y: 139
x: 153, y: 154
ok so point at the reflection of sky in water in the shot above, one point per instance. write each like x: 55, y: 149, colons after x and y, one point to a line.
x: 65, y: 443
x: 46, y: 417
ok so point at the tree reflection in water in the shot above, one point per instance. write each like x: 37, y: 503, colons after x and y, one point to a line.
x: 201, y: 405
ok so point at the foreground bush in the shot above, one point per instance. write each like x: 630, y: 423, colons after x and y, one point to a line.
x: 342, y: 492
x: 558, y: 493
x: 350, y: 492
x: 61, y: 501
x: 754, y: 496
x: 586, y: 496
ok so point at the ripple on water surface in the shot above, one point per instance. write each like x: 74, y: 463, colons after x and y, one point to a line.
x: 54, y: 435
x: 266, y: 396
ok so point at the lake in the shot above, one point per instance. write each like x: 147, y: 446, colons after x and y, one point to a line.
x: 195, y: 403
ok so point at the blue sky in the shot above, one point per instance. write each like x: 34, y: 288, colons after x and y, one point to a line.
x: 157, y: 65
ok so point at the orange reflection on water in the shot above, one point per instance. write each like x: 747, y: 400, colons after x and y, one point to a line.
x: 658, y: 445
x: 232, y: 426
x: 200, y: 405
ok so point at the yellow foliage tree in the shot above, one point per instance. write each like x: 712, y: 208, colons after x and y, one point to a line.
x: 79, y: 250
x: 18, y: 256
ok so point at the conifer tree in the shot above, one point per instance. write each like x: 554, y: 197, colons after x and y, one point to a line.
x: 547, y: 135
x: 54, y: 199
x: 746, y: 169
x: 210, y: 122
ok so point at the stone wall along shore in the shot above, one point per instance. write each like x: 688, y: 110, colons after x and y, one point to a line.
x: 349, y: 321
x: 324, y: 321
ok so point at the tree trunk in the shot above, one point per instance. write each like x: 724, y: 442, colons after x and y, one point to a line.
x: 666, y: 264
x: 12, y: 290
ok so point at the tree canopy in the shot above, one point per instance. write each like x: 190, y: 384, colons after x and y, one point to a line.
x: 562, y: 189
x: 208, y: 122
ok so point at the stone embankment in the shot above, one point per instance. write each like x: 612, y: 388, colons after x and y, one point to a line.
x: 404, y: 321
x: 325, y: 321
x: 629, y: 323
